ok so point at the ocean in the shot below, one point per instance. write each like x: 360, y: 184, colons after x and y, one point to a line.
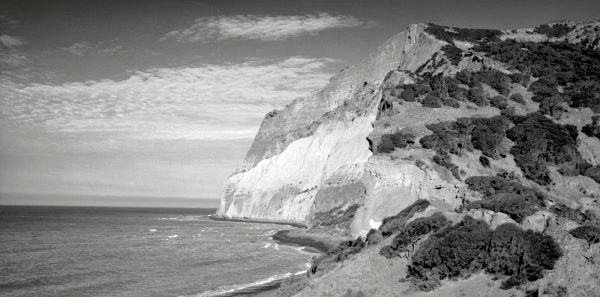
x: 77, y: 251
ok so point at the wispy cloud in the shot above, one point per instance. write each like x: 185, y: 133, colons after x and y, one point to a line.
x: 259, y: 27
x: 85, y: 48
x: 205, y: 102
x: 9, y: 41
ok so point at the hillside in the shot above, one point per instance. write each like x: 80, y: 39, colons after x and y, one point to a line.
x: 462, y: 162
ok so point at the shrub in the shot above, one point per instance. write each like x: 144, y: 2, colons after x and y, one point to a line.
x: 499, y: 102
x: 553, y: 106
x: 498, y: 80
x: 397, y: 140
x: 517, y: 78
x: 539, y: 140
x: 591, y: 234
x: 516, y: 97
x: 484, y: 161
x: 572, y: 66
x: 412, y: 232
x: 393, y: 224
x: 449, y: 34
x: 477, y: 96
x: 494, y: 185
x: 450, y: 102
x: 555, y: 30
x: 486, y: 134
x: 574, y: 215
x: 593, y: 129
x: 453, y: 53
x: 412, y: 91
x: 432, y: 101
x: 445, y: 160
x: 470, y: 246
x: 515, y: 206
x: 338, y: 254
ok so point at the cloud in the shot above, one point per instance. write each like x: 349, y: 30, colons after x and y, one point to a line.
x: 259, y: 27
x: 216, y: 102
x: 10, y: 41
x: 85, y: 48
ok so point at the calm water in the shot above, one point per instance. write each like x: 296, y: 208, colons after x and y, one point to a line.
x: 72, y: 251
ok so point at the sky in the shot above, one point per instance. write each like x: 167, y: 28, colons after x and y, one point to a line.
x: 155, y: 102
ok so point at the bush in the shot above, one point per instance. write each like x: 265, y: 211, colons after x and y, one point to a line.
x: 556, y: 30
x: 499, y: 102
x: 516, y: 97
x: 593, y: 129
x: 445, y: 160
x: 432, y: 101
x: 412, y: 232
x: 591, y: 234
x: 338, y: 254
x: 553, y: 106
x: 574, y: 215
x: 494, y: 185
x: 515, y: 206
x: 453, y: 53
x: 450, y: 102
x: 470, y: 246
x: 538, y: 140
x: 449, y: 34
x: 393, y: 224
x: 517, y: 78
x: 498, y: 80
x: 477, y: 96
x: 572, y: 66
x: 412, y: 91
x: 486, y: 134
x: 397, y: 140
x: 484, y: 161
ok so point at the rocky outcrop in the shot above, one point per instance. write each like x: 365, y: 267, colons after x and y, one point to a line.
x: 310, y: 157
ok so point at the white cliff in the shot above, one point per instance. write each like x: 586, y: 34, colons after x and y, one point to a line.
x: 318, y: 145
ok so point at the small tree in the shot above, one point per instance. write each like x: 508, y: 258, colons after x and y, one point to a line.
x: 591, y: 234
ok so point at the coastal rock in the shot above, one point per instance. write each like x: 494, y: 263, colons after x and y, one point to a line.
x: 318, y: 144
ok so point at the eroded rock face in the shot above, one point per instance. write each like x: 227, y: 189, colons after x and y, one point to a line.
x: 318, y: 144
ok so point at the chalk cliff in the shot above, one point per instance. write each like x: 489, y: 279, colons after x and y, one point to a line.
x: 310, y: 157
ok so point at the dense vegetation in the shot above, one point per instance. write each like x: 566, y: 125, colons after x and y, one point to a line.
x: 453, y: 53
x: 485, y: 134
x: 538, y: 140
x: 449, y: 34
x: 493, y: 185
x: 470, y: 246
x: 412, y: 232
x: 502, y: 195
x: 513, y: 205
x: 571, y: 66
x: 555, y: 30
x: 396, y: 140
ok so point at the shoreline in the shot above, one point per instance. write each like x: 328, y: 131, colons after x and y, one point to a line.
x: 257, y: 221
x: 317, y: 243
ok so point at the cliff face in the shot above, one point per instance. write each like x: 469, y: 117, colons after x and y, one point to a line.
x: 313, y: 162
x: 310, y: 157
